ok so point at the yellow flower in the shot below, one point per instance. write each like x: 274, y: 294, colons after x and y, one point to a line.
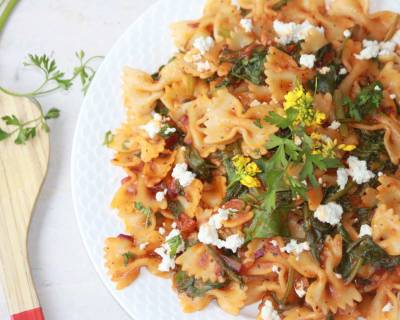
x: 347, y: 147
x: 323, y: 145
x: 250, y: 182
x: 252, y: 169
x: 246, y: 170
x: 302, y: 101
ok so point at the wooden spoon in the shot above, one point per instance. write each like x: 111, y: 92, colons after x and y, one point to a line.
x: 22, y: 172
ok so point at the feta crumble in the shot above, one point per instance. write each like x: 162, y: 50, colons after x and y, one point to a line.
x: 338, y: 275
x: 296, y: 248
x: 393, y: 96
x: 160, y: 195
x: 373, y: 49
x: 299, y: 289
x: 208, y: 232
x: 203, y: 44
x: 153, y: 127
x: 255, y: 103
x: 358, y: 170
x: 161, y: 231
x: 365, y: 230
x: 342, y: 178
x: 293, y: 32
x: 169, y: 130
x: 307, y: 60
x: 247, y: 25
x: 387, y: 307
x: 335, y: 125
x: 329, y: 213
x: 377, y: 88
x: 183, y: 175
x: 324, y: 70
x: 203, y: 66
x: 167, y: 262
x: 343, y: 71
x: 143, y: 245
x: 347, y: 33
x: 274, y: 243
x: 268, y: 312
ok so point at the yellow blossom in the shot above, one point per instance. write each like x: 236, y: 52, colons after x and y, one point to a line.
x: 246, y: 170
x: 250, y: 182
x: 323, y: 145
x: 302, y: 101
x: 347, y: 147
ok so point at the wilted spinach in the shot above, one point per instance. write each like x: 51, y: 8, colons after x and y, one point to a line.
x: 328, y: 82
x: 194, y: 288
x: 201, y: 167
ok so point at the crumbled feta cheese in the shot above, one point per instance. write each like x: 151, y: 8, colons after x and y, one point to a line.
x: 275, y: 269
x: 268, y: 312
x: 174, y: 225
x: 296, y: 248
x: 338, y: 275
x: 343, y: 71
x: 160, y: 195
x: 320, y: 180
x: 255, y: 103
x: 208, y: 232
x: 167, y: 262
x: 380, y: 174
x: 203, y: 44
x: 335, y: 125
x: 293, y: 32
x: 169, y: 130
x: 153, y: 127
x: 203, y: 66
x: 387, y: 307
x: 143, y: 245
x: 347, y: 33
x: 329, y: 213
x: 324, y: 70
x: 307, y: 60
x: 373, y: 49
x: 247, y: 25
x: 189, y: 58
x: 393, y: 97
x: 342, y: 178
x: 365, y: 230
x: 358, y: 170
x: 182, y: 174
x: 377, y: 88
x: 299, y: 288
x: 297, y: 141
x: 274, y: 243
x: 161, y: 230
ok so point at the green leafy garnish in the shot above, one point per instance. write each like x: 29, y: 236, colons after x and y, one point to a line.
x: 128, y: 257
x: 174, y: 244
x: 108, y: 138
x: 167, y: 131
x: 201, y: 167
x: 366, y: 102
x: 249, y: 68
x: 146, y: 211
x: 193, y: 287
x: 328, y: 82
x: 258, y: 124
x: 175, y: 207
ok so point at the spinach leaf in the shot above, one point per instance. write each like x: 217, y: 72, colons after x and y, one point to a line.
x: 249, y: 68
x: 194, y: 288
x: 175, y: 207
x: 365, y: 252
x: 328, y: 82
x: 201, y: 167
x: 367, y: 101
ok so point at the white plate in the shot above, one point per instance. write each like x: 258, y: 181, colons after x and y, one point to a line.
x: 146, y: 45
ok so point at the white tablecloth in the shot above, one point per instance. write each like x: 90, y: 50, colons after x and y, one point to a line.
x: 67, y: 284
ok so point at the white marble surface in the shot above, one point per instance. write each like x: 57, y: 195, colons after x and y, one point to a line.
x: 67, y: 284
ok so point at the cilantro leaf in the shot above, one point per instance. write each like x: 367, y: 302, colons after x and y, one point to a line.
x: 11, y: 120
x: 146, y: 211
x: 3, y: 135
x: 174, y: 244
x: 201, y: 167
x: 128, y: 257
x: 282, y: 122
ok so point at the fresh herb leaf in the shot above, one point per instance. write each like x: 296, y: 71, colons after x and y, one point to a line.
x: 193, y: 287
x: 174, y: 244
x: 161, y: 109
x: 175, y: 207
x: 313, y: 161
x: 367, y: 101
x: 108, y: 138
x: 128, y: 257
x: 146, y: 211
x: 167, y: 131
x: 53, y: 113
x: 201, y: 167
x: 282, y: 122
x: 11, y: 120
x: 328, y: 82
x: 249, y: 68
x: 3, y: 135
x: 258, y: 124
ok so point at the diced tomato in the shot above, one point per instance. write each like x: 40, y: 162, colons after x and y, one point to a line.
x: 171, y: 141
x: 172, y: 188
x: 186, y: 224
x: 126, y: 237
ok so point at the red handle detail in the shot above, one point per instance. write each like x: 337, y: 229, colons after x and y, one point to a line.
x: 34, y: 314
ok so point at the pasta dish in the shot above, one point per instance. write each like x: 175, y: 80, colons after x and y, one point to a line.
x: 262, y: 162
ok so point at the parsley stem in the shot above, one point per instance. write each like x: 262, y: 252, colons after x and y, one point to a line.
x: 336, y: 196
x: 6, y: 13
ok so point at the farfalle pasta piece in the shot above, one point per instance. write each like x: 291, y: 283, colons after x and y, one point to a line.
x: 124, y: 261
x: 386, y: 229
x: 199, y: 263
x: 283, y: 73
x: 226, y: 121
x: 390, y: 78
x: 214, y: 192
x: 327, y: 292
x: 389, y: 192
x: 385, y: 305
x: 302, y: 313
x: 190, y: 201
x: 157, y: 169
x: 392, y: 136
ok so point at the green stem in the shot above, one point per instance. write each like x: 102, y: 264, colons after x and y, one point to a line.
x: 341, y: 193
x: 6, y: 13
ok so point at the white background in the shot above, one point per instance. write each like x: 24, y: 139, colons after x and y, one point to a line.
x: 67, y: 284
